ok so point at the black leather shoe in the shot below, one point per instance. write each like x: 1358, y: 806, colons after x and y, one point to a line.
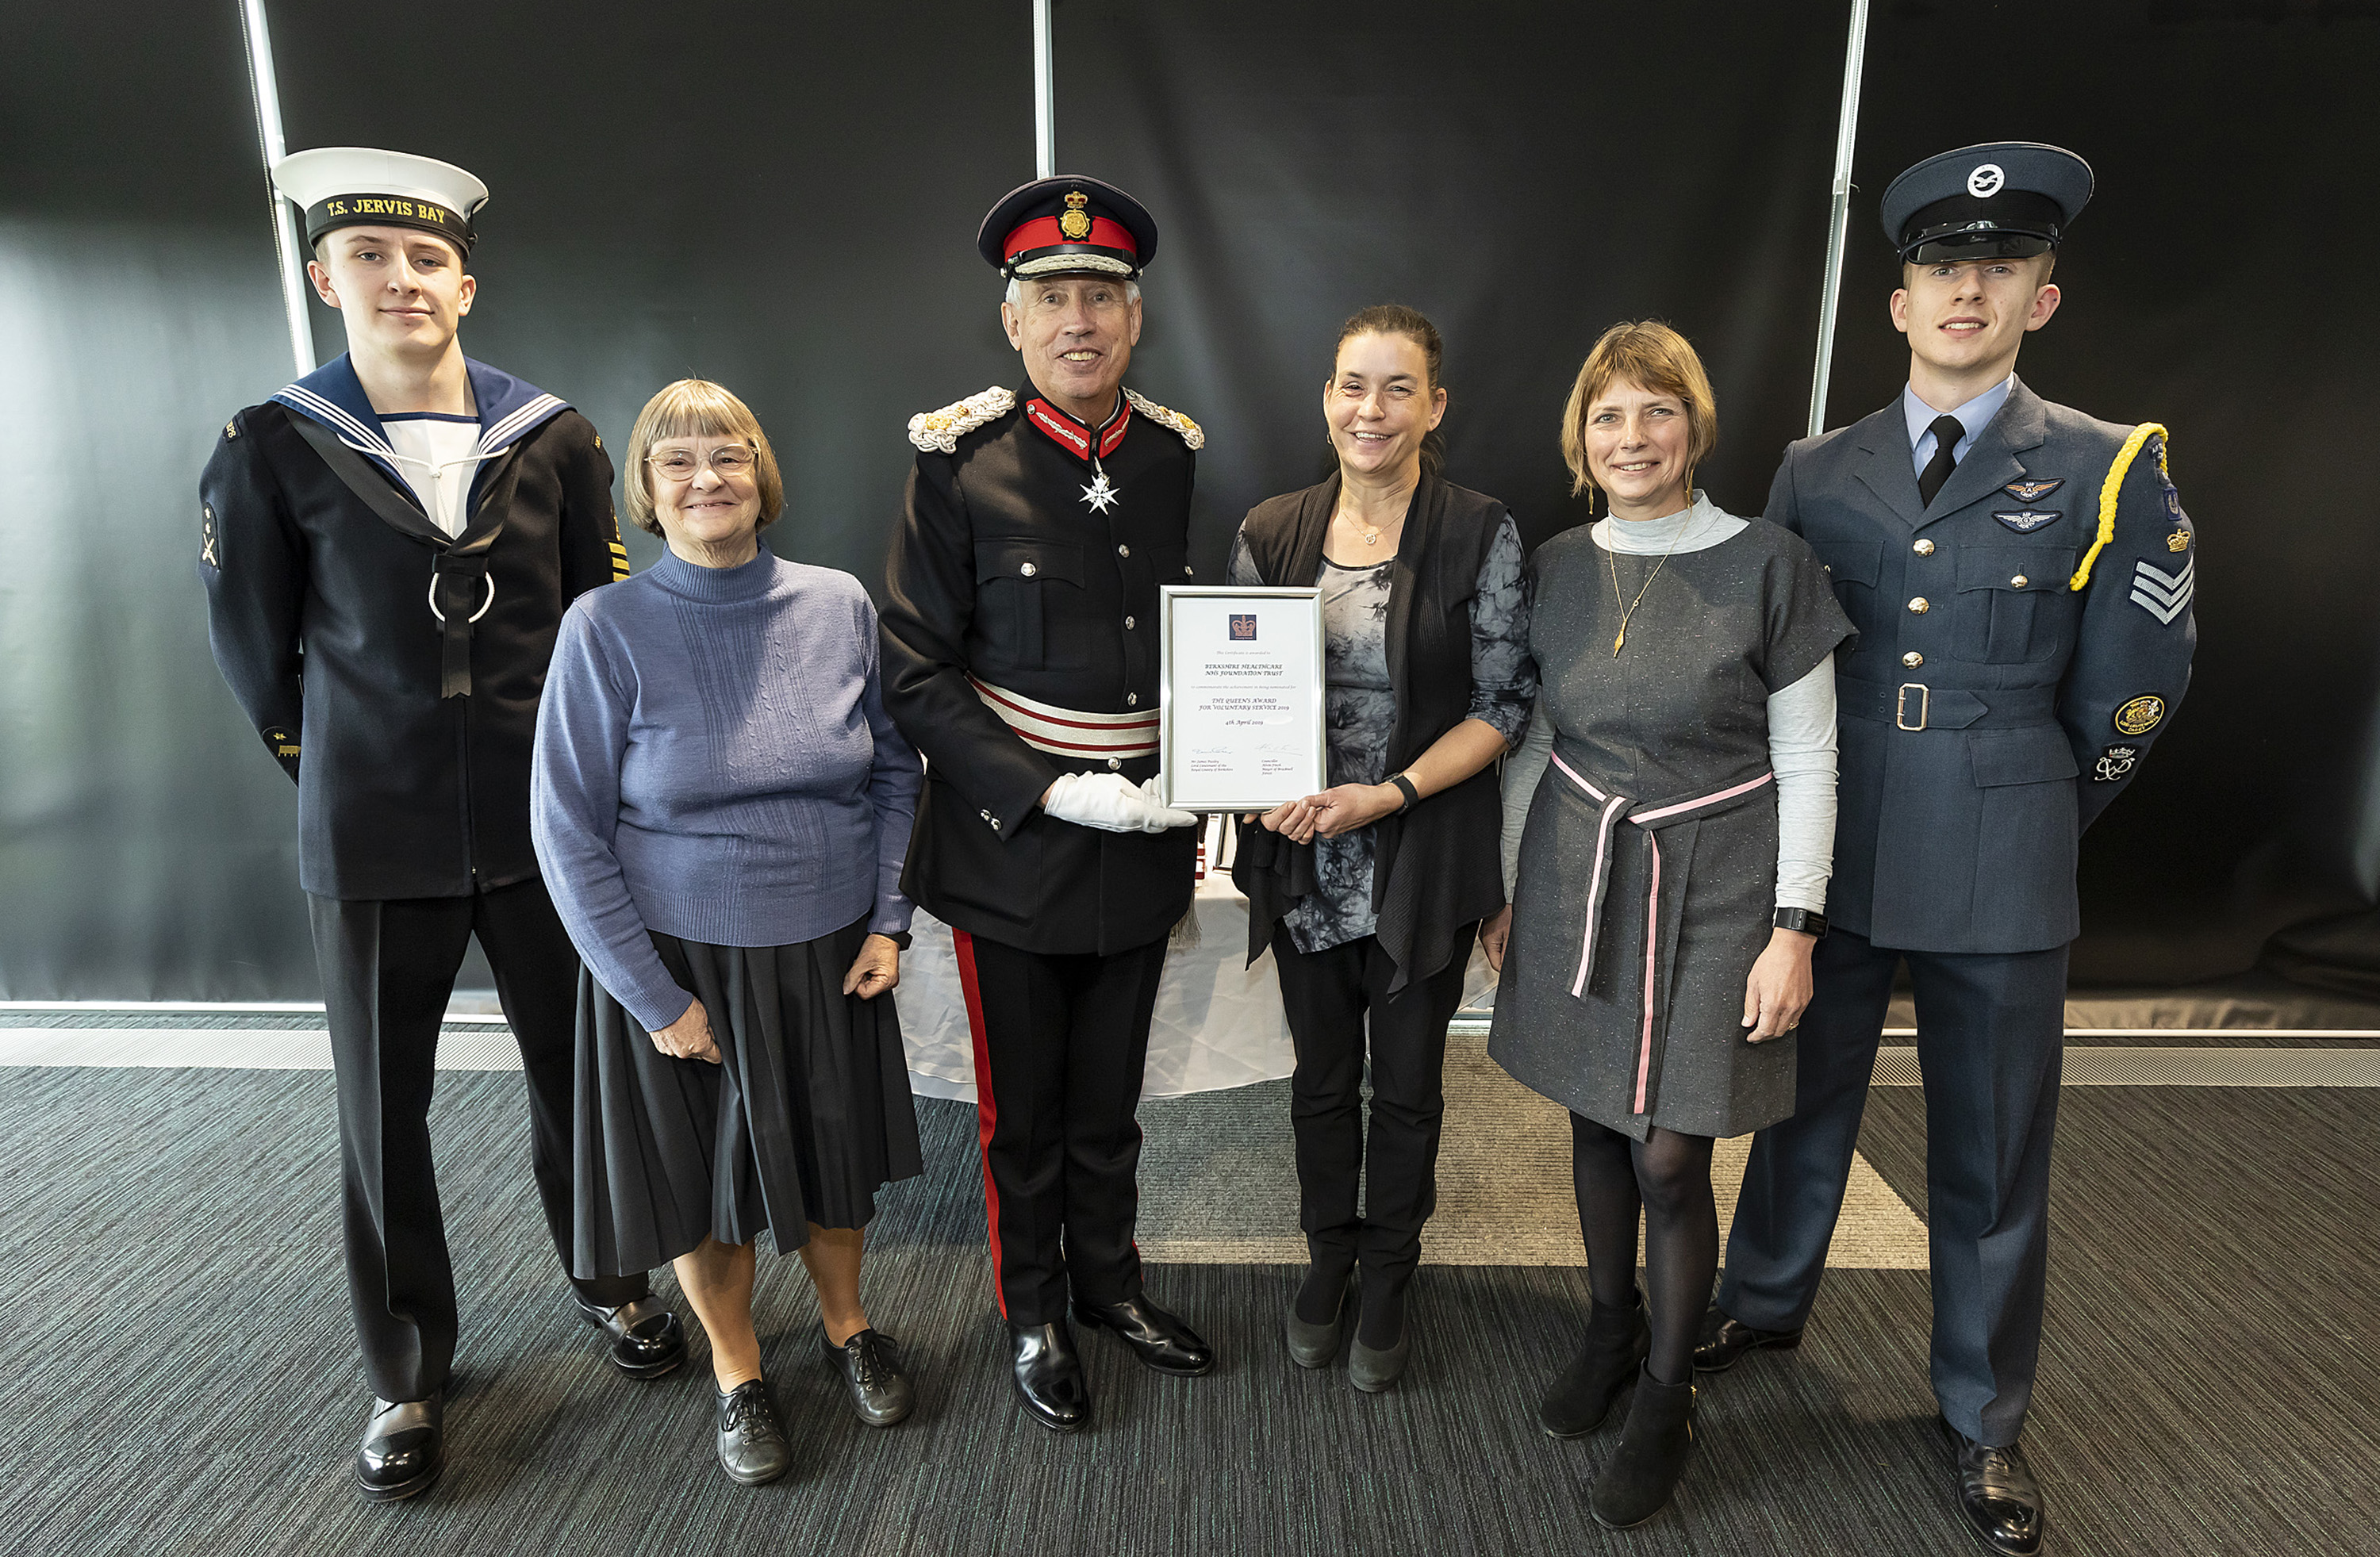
x: 1163, y: 1342
x: 1313, y: 1345
x: 1723, y: 1341
x: 404, y: 1448
x: 1584, y: 1393
x: 1049, y: 1376
x: 1375, y: 1369
x: 869, y: 1366
x: 752, y: 1447
x: 1997, y: 1494
x: 647, y: 1340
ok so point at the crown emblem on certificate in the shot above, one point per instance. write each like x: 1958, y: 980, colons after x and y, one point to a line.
x: 1074, y: 223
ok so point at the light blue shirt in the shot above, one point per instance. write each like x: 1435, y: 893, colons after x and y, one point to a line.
x: 1973, y: 416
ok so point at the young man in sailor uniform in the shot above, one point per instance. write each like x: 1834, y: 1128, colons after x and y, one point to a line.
x: 388, y: 546
x: 1020, y: 630
x: 2022, y: 577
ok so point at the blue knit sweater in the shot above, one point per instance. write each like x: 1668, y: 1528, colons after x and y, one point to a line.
x: 713, y: 762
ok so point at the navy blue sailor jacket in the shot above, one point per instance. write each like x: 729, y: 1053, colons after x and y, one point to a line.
x: 2023, y: 641
x: 393, y: 671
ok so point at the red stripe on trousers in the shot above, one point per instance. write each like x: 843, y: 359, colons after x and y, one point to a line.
x: 987, y: 1112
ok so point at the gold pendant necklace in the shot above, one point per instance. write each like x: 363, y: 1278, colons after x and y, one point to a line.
x: 1612, y: 554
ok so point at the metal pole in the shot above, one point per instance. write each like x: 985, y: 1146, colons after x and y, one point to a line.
x: 1045, y: 128
x: 1839, y: 219
x: 268, y: 134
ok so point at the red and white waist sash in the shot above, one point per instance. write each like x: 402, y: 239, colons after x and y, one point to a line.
x: 1070, y: 732
x: 1615, y: 809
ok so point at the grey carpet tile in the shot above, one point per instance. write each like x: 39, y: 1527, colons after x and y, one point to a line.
x: 170, y: 1239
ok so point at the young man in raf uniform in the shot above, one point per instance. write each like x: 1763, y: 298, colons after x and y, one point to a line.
x: 388, y: 546
x: 1020, y: 656
x: 2022, y: 577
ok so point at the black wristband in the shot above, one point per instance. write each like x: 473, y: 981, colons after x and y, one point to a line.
x: 1808, y: 921
x: 898, y: 937
x: 1413, y: 796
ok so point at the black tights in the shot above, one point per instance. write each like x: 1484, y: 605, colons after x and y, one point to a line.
x: 1668, y: 1177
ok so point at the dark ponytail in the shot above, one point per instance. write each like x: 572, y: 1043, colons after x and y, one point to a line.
x: 1395, y: 318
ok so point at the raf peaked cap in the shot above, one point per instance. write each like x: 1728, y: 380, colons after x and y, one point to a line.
x: 2004, y: 200
x: 356, y: 187
x: 1068, y: 226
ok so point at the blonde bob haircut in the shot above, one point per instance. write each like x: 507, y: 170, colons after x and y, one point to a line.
x: 1653, y: 356
x: 697, y: 408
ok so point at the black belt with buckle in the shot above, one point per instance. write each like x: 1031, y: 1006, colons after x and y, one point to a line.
x: 1914, y: 705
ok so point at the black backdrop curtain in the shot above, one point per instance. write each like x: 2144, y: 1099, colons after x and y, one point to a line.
x: 782, y: 197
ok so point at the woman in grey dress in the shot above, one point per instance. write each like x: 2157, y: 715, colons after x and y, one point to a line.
x: 1369, y: 893
x: 1671, y: 817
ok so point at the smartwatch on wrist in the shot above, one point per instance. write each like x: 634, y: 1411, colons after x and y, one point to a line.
x: 1807, y: 921
x: 900, y: 938
x: 1406, y: 787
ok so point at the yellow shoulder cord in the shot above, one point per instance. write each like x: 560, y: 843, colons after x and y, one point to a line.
x: 2114, y: 485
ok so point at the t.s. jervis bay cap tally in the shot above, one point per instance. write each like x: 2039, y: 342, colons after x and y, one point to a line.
x: 357, y: 187
x: 2002, y: 200
x: 1068, y: 225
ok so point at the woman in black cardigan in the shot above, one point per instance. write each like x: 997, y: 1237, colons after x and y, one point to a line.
x: 1370, y: 892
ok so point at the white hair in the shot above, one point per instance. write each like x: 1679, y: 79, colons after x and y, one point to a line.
x: 1014, y: 297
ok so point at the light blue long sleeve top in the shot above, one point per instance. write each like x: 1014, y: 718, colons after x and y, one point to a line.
x: 713, y: 762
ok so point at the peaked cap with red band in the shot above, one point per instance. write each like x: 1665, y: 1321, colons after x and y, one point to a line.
x: 1068, y: 226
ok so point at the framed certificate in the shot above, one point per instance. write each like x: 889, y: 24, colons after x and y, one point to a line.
x: 1241, y: 720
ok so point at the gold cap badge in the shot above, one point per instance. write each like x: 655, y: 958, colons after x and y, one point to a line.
x: 1074, y: 223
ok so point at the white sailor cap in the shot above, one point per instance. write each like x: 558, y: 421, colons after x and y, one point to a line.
x: 355, y: 186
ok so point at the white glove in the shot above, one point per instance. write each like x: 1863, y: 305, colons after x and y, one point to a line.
x: 1112, y: 803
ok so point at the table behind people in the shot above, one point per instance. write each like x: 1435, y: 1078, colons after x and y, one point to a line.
x: 2023, y: 582
x: 723, y: 808
x: 1369, y: 893
x: 387, y: 547
x: 1020, y: 652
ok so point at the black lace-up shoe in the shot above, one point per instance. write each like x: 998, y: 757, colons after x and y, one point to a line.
x: 1997, y: 1494
x: 404, y: 1448
x: 1161, y: 1340
x: 752, y: 1446
x: 647, y: 1340
x: 1723, y: 1342
x: 869, y: 1366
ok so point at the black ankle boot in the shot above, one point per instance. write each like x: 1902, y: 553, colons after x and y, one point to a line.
x: 1643, y: 1471
x: 1583, y: 1393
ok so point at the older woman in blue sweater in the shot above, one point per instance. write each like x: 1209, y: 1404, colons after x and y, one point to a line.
x: 721, y: 808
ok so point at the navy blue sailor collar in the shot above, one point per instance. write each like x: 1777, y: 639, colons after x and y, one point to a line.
x: 510, y: 409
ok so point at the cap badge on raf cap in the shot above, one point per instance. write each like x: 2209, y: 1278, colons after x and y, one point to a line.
x: 2002, y: 201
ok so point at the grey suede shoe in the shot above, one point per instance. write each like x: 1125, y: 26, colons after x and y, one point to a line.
x: 1373, y: 1372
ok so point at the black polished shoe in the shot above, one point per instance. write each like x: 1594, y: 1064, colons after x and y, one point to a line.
x: 1163, y: 1342
x: 752, y: 1447
x: 1049, y: 1376
x: 869, y: 1366
x: 404, y: 1448
x: 647, y: 1340
x: 1723, y: 1341
x: 1998, y: 1495
x: 1584, y: 1393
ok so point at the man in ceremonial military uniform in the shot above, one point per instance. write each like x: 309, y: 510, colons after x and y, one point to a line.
x: 2022, y: 577
x: 388, y: 546
x: 1020, y: 656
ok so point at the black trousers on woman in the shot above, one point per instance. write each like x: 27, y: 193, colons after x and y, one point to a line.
x: 1328, y: 995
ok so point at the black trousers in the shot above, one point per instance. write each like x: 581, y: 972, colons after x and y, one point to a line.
x: 1060, y: 1044
x: 1328, y: 995
x: 1991, y: 1031
x: 387, y: 969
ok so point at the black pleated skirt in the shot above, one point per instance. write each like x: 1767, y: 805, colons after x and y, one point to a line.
x: 805, y: 1116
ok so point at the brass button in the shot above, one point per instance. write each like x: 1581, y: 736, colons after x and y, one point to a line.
x: 1919, y: 607
x: 1913, y: 659
x: 1132, y: 700
x: 1127, y: 624
x: 1029, y: 570
x: 1123, y: 550
x: 2019, y: 582
x: 1923, y: 547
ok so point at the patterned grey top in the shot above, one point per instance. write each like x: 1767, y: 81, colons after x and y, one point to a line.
x: 1360, y: 707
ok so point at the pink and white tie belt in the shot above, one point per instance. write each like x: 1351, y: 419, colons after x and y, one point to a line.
x: 1070, y: 732
x: 1615, y: 809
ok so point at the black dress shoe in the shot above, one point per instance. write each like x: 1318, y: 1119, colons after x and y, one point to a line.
x: 869, y: 1366
x: 1584, y: 1393
x: 1998, y: 1495
x: 1049, y: 1376
x: 1641, y: 1475
x: 1723, y: 1341
x: 404, y: 1448
x: 1163, y: 1342
x: 647, y: 1340
x: 752, y: 1447
x: 1313, y: 1345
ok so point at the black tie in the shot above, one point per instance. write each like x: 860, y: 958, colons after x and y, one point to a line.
x: 1946, y: 430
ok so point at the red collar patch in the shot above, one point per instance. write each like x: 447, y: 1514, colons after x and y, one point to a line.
x: 1078, y: 438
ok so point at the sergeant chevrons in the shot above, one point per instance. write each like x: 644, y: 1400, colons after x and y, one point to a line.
x: 1995, y: 701
x: 1021, y: 592
x: 406, y: 787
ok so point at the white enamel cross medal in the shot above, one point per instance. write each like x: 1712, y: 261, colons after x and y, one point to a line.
x: 1099, y: 494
